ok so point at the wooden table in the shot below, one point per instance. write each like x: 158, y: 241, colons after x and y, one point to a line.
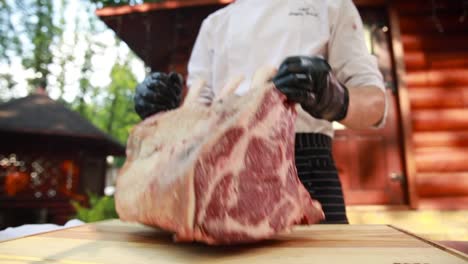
x: 117, y: 242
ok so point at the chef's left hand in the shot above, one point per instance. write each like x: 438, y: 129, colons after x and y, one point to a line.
x: 310, y: 82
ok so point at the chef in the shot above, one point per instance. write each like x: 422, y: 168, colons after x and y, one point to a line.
x: 323, y: 65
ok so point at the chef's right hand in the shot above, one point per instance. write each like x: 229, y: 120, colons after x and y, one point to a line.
x: 158, y: 92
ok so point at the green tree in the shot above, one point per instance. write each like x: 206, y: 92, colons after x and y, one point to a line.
x: 122, y: 116
x: 62, y: 58
x: 41, y: 31
x: 85, y: 87
x: 116, y: 115
x: 10, y: 46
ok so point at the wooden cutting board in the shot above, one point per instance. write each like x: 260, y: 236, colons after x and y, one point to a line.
x: 117, y: 242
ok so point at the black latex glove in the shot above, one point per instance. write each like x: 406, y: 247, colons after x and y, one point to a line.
x: 158, y: 92
x: 310, y: 82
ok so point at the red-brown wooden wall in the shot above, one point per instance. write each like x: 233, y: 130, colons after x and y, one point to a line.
x: 436, y: 64
x: 433, y: 93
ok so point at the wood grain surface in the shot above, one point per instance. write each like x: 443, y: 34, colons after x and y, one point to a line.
x: 117, y: 242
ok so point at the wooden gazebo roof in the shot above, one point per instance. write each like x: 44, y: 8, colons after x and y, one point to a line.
x: 38, y: 114
x: 161, y: 34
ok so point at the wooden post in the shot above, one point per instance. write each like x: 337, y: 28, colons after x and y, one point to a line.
x: 405, y: 108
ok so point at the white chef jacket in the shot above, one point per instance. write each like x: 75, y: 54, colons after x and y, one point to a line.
x: 248, y: 34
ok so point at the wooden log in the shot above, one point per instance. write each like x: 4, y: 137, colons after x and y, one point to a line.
x: 442, y: 160
x: 416, y: 60
x: 424, y: 7
x: 456, y: 77
x: 439, y: 97
x: 440, y: 139
x: 451, y: 62
x: 425, y: 24
x: 442, y: 184
x: 422, y: 60
x: 440, y: 120
x: 417, y: 42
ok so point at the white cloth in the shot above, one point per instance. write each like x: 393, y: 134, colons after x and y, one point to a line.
x: 247, y: 34
x: 32, y: 229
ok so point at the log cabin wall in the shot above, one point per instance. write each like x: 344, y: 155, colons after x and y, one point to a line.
x: 435, y: 73
x: 434, y: 37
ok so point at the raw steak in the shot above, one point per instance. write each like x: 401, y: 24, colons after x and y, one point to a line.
x: 218, y: 174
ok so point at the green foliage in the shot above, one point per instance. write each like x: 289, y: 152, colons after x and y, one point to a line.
x: 41, y: 30
x: 112, y: 111
x: 86, y: 71
x: 62, y: 58
x: 10, y: 45
x: 101, y: 208
x: 27, y: 30
x: 120, y: 116
x: 109, y: 108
